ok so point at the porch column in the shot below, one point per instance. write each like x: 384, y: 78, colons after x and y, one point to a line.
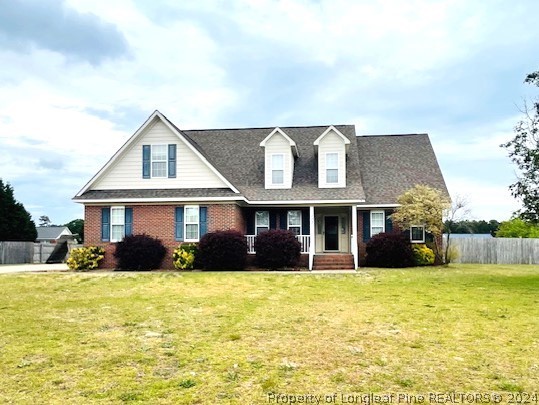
x: 354, y: 239
x: 312, y: 236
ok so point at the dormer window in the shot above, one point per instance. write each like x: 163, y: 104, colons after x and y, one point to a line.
x: 332, y: 168
x: 277, y: 169
x: 279, y: 153
x: 331, y: 149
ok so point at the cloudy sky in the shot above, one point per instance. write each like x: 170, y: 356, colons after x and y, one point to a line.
x: 78, y: 77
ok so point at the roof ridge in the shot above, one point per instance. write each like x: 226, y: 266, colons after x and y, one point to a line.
x: 380, y: 135
x: 270, y: 128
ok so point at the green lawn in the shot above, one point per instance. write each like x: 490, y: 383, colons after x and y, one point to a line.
x: 235, y: 337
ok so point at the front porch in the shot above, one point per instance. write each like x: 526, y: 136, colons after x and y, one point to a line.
x: 327, y: 234
x: 305, y: 241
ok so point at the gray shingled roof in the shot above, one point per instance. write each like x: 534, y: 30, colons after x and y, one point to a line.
x: 379, y: 168
x: 392, y: 164
x: 237, y: 154
x: 157, y: 193
x: 50, y: 232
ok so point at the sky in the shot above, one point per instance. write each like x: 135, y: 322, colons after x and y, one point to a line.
x: 79, y: 77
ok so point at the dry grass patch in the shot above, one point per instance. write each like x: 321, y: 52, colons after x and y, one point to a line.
x: 234, y: 338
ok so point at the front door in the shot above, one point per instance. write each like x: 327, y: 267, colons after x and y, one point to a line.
x: 331, y: 233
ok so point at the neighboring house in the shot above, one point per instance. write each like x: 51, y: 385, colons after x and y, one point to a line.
x: 53, y: 234
x: 54, y: 243
x: 333, y: 189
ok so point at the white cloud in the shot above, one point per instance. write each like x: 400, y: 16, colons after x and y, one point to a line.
x: 478, y: 142
x: 485, y: 201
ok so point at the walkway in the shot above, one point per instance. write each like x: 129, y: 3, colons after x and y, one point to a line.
x: 23, y: 268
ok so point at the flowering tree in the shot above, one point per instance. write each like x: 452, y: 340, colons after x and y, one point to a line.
x: 423, y: 205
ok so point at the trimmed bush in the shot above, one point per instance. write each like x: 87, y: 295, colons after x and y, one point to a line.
x: 423, y: 255
x: 184, y: 256
x: 85, y: 258
x: 390, y: 249
x: 223, y: 250
x: 139, y: 252
x: 277, y: 248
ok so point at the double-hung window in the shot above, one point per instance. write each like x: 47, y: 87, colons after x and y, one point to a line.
x: 192, y: 223
x: 417, y: 234
x: 332, y: 168
x: 117, y: 223
x: 277, y: 168
x: 377, y: 222
x: 294, y: 222
x: 159, y: 160
x: 261, y: 221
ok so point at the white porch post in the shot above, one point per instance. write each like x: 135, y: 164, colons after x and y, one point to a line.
x: 312, y: 236
x: 354, y: 239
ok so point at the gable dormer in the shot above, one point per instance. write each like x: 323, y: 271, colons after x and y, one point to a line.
x: 331, y: 149
x: 279, y: 153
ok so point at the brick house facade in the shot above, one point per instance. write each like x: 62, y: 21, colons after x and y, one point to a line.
x: 330, y: 187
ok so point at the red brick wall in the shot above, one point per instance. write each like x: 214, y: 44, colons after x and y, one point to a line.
x: 224, y: 217
x: 158, y: 222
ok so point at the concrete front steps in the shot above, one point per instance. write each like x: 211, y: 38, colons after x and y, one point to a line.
x: 333, y: 262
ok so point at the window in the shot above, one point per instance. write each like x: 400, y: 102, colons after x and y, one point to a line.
x: 261, y: 221
x: 159, y: 160
x: 417, y: 234
x: 294, y: 222
x: 192, y: 223
x: 277, y: 169
x: 377, y: 222
x: 332, y: 167
x: 117, y: 223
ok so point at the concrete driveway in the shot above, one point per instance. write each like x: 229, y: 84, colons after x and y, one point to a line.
x: 23, y: 268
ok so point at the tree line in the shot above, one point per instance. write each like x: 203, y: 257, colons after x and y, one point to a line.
x: 472, y: 226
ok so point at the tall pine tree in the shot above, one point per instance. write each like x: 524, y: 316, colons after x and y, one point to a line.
x: 15, y: 222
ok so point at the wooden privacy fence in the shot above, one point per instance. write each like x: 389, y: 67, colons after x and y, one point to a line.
x: 16, y: 252
x: 28, y: 252
x: 496, y: 250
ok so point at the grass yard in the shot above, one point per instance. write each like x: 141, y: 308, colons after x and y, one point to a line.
x: 203, y: 338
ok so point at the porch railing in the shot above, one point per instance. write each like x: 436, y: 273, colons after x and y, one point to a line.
x: 305, y: 241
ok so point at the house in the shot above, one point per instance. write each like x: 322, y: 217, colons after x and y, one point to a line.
x: 53, y: 234
x: 332, y: 188
x: 55, y: 243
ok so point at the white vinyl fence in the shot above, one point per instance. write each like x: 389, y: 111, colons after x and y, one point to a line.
x: 496, y: 250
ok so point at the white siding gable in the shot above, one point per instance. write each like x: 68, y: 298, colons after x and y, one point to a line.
x: 126, y: 171
x: 277, y: 145
x: 330, y: 144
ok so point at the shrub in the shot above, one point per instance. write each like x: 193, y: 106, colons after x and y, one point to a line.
x: 389, y: 250
x: 184, y: 256
x: 139, y: 252
x: 452, y: 254
x: 423, y: 255
x: 85, y: 258
x: 277, y: 248
x: 223, y: 250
